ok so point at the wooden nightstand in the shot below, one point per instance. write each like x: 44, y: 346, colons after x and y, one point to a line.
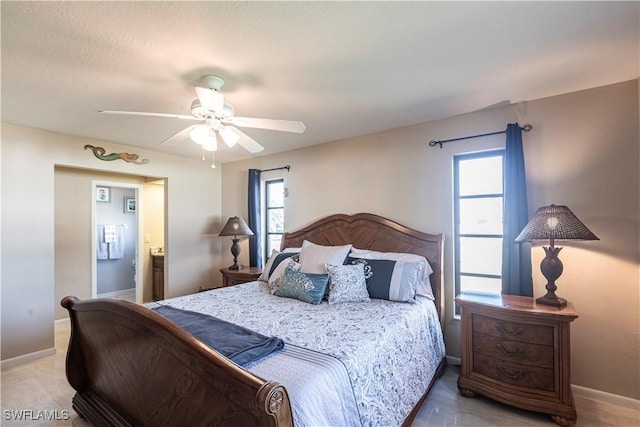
x: 517, y: 352
x: 235, y: 277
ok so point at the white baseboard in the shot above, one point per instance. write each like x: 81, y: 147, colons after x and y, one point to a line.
x: 122, y: 294
x: 603, y: 396
x: 15, y: 361
x: 453, y: 361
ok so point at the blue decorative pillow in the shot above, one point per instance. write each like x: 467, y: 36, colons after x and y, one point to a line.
x: 390, y: 280
x: 424, y: 283
x: 307, y: 287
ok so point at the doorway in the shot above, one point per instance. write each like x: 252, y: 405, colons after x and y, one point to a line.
x: 118, y: 241
x: 75, y: 194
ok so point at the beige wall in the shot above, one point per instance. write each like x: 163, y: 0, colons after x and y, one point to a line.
x: 154, y: 228
x: 588, y: 160
x: 29, y: 157
x: 583, y: 152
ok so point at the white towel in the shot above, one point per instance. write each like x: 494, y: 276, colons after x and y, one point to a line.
x: 109, y: 233
x: 102, y: 248
x: 116, y: 248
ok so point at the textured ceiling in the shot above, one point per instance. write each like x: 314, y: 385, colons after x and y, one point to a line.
x: 342, y: 68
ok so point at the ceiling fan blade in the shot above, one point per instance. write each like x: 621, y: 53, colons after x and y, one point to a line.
x: 246, y: 142
x: 210, y: 99
x: 178, y: 137
x: 281, y: 125
x: 141, y: 113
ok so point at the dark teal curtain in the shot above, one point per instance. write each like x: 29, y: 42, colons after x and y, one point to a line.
x: 516, y: 258
x: 254, y: 220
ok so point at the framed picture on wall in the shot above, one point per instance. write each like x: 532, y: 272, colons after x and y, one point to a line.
x: 129, y: 205
x: 103, y: 194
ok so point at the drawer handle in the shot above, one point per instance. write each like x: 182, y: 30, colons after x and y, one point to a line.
x: 516, y: 331
x: 507, y: 352
x: 513, y: 376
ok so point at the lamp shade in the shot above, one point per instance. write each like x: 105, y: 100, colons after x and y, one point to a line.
x: 552, y: 223
x: 235, y: 226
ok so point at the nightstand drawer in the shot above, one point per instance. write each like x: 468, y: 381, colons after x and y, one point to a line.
x: 513, y: 351
x: 514, y: 373
x: 534, y: 334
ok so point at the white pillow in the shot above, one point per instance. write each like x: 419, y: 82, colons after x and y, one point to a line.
x: 264, y: 276
x: 424, y: 285
x: 274, y: 258
x: 314, y: 257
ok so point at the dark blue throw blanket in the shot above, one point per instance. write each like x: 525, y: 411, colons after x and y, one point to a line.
x: 239, y: 344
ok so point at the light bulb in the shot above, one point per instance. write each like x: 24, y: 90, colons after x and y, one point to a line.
x: 211, y: 143
x: 200, y: 134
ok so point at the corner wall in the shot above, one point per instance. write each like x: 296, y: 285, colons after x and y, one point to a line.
x: 583, y: 152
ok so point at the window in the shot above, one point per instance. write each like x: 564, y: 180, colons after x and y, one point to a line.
x: 274, y: 215
x: 478, y: 207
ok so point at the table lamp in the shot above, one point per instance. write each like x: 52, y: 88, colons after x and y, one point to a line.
x: 235, y: 227
x: 553, y: 222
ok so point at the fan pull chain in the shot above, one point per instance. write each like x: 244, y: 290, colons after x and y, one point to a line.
x: 213, y: 164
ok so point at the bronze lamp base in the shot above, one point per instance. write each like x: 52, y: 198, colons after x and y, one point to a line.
x: 551, y: 267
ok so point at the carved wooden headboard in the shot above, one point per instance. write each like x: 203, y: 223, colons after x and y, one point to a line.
x: 369, y: 231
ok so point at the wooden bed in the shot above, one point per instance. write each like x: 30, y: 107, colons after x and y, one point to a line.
x: 131, y: 366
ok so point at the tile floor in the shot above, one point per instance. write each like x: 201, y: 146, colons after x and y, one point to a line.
x: 446, y: 407
x: 41, y: 386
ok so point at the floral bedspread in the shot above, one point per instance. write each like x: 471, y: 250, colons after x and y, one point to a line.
x: 391, y: 350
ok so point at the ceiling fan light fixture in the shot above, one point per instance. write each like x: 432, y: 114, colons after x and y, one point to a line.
x: 211, y: 144
x: 229, y: 136
x: 213, y: 113
x: 201, y: 134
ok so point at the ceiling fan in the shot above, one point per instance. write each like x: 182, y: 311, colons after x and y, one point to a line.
x: 217, y: 117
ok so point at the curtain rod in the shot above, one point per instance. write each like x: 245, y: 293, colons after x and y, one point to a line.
x: 277, y: 169
x: 433, y: 143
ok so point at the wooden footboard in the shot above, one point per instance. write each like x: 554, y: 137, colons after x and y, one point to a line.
x: 131, y: 366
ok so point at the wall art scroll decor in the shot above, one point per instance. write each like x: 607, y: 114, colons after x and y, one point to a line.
x: 131, y: 158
